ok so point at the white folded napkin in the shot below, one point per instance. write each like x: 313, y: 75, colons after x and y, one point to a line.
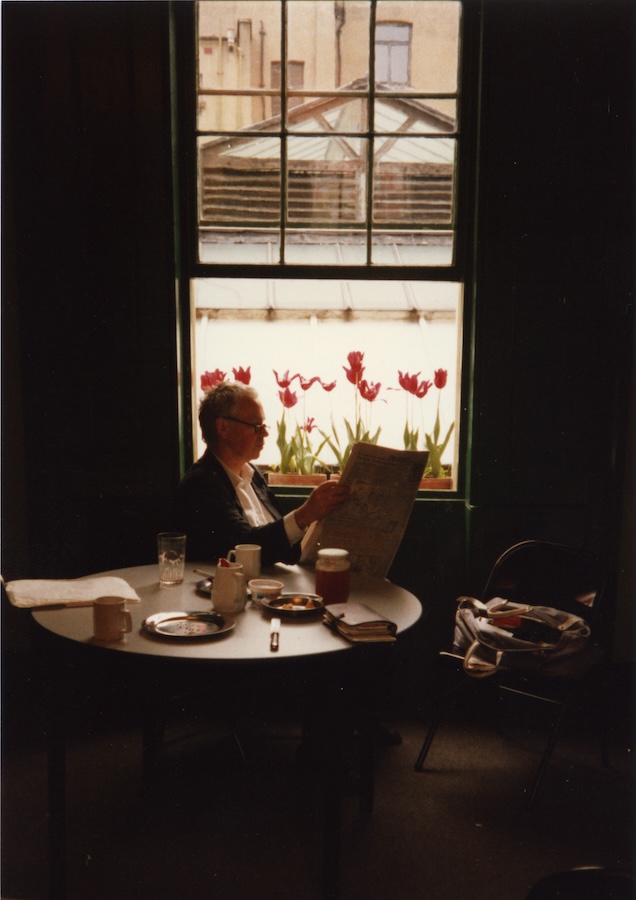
x: 78, y: 592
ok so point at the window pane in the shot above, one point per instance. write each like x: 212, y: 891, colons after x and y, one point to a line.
x: 412, y: 196
x: 434, y: 45
x: 326, y: 183
x: 327, y: 248
x: 330, y: 115
x: 413, y: 183
x: 308, y: 328
x: 334, y: 36
x: 238, y: 41
x: 239, y: 215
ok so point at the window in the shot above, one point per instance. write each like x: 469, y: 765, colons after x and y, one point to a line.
x: 330, y: 210
x: 295, y: 81
x: 392, y: 54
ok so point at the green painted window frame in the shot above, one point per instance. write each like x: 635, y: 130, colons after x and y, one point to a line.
x: 183, y: 70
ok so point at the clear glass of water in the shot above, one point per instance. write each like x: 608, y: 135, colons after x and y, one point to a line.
x: 171, y: 556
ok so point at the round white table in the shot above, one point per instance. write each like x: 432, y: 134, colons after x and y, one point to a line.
x: 250, y: 638
x: 302, y: 643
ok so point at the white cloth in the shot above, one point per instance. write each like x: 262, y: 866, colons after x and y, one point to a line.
x: 77, y: 592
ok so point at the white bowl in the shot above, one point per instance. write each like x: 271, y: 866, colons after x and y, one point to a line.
x: 265, y: 587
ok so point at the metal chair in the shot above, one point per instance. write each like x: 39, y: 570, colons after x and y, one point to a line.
x: 547, y: 574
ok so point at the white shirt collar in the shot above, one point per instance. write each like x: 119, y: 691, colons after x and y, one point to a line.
x: 244, y: 477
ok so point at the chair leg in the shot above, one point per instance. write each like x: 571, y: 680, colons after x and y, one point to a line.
x: 547, y: 753
x: 239, y: 746
x: 428, y: 740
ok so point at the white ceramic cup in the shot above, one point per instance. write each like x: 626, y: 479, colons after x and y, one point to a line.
x: 249, y: 556
x: 229, y: 592
x: 111, y: 619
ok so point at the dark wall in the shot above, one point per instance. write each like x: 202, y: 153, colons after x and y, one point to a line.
x: 90, y: 379
x: 91, y: 444
x: 554, y: 324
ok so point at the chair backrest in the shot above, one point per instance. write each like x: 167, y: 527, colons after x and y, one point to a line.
x: 541, y: 573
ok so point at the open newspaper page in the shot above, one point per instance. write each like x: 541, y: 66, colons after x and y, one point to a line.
x: 371, y: 524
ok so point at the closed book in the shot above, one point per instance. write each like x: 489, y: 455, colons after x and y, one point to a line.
x: 358, y: 622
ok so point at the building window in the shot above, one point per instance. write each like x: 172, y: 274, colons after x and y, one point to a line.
x: 295, y: 81
x: 392, y: 54
x: 329, y: 209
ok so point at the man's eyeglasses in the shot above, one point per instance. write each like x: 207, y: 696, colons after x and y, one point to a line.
x: 258, y: 429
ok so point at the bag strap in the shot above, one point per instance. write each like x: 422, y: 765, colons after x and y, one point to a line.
x: 481, y: 661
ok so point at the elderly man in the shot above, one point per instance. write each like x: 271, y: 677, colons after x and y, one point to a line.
x: 223, y: 500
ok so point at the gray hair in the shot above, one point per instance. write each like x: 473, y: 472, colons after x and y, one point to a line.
x: 221, y: 400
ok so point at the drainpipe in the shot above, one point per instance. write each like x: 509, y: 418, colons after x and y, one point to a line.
x: 339, y: 14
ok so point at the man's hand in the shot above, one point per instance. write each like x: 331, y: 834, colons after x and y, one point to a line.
x: 323, y: 499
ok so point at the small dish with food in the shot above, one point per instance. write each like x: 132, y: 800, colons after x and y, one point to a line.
x: 293, y: 605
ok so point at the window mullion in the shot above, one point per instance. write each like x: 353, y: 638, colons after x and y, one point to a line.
x: 283, y: 132
x: 370, y: 136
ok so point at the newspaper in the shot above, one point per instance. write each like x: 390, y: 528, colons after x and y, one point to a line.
x: 371, y: 524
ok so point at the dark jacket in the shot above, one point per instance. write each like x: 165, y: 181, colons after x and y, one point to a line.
x: 208, y: 511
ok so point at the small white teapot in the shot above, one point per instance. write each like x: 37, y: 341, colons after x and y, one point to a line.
x: 229, y: 592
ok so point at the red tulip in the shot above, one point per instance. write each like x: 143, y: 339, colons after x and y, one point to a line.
x: 242, y: 375
x: 422, y: 389
x: 368, y: 389
x: 287, y: 398
x: 306, y: 383
x: 211, y: 379
x: 411, y: 384
x: 354, y: 374
x: 309, y: 426
x: 328, y: 387
x: 285, y: 380
x: 441, y: 376
x: 408, y: 382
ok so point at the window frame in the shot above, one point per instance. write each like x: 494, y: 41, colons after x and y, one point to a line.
x: 183, y: 89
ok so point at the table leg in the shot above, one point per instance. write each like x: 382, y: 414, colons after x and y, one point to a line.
x: 331, y: 765
x: 153, y: 729
x: 367, y: 764
x: 56, y: 732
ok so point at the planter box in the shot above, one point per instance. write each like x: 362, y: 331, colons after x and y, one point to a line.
x: 444, y: 483
x: 294, y: 479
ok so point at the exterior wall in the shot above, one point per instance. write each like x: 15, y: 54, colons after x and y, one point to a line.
x: 247, y: 60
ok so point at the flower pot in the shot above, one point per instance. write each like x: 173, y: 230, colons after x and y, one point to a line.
x: 294, y: 479
x: 443, y: 483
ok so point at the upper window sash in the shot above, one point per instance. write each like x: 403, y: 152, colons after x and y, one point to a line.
x: 401, y: 155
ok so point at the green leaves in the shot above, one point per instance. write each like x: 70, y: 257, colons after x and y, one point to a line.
x: 435, y: 449
x: 353, y: 437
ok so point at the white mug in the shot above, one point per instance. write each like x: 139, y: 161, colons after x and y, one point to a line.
x: 229, y: 593
x: 249, y: 556
x: 111, y: 619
